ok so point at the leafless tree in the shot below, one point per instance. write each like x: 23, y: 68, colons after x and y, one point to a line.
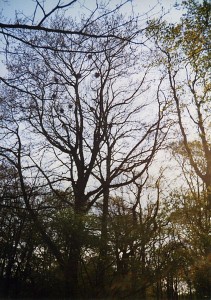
x: 41, y: 20
x: 76, y: 121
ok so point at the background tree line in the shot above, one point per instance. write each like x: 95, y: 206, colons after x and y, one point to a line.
x: 87, y: 107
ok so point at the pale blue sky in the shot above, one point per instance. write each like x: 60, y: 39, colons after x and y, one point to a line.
x: 9, y: 7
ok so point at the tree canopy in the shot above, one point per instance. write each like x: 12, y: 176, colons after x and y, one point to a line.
x: 105, y: 153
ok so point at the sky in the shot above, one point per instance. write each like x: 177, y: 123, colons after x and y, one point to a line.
x: 9, y: 7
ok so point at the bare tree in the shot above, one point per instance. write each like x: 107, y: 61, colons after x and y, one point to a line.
x: 40, y: 20
x: 77, y: 121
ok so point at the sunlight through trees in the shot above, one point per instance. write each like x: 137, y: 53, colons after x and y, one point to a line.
x: 90, y: 107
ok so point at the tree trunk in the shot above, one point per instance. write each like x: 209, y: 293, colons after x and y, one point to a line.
x: 71, y: 274
x: 208, y: 246
x: 101, y: 268
x: 72, y: 288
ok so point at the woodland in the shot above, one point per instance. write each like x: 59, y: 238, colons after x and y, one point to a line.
x: 105, y: 152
